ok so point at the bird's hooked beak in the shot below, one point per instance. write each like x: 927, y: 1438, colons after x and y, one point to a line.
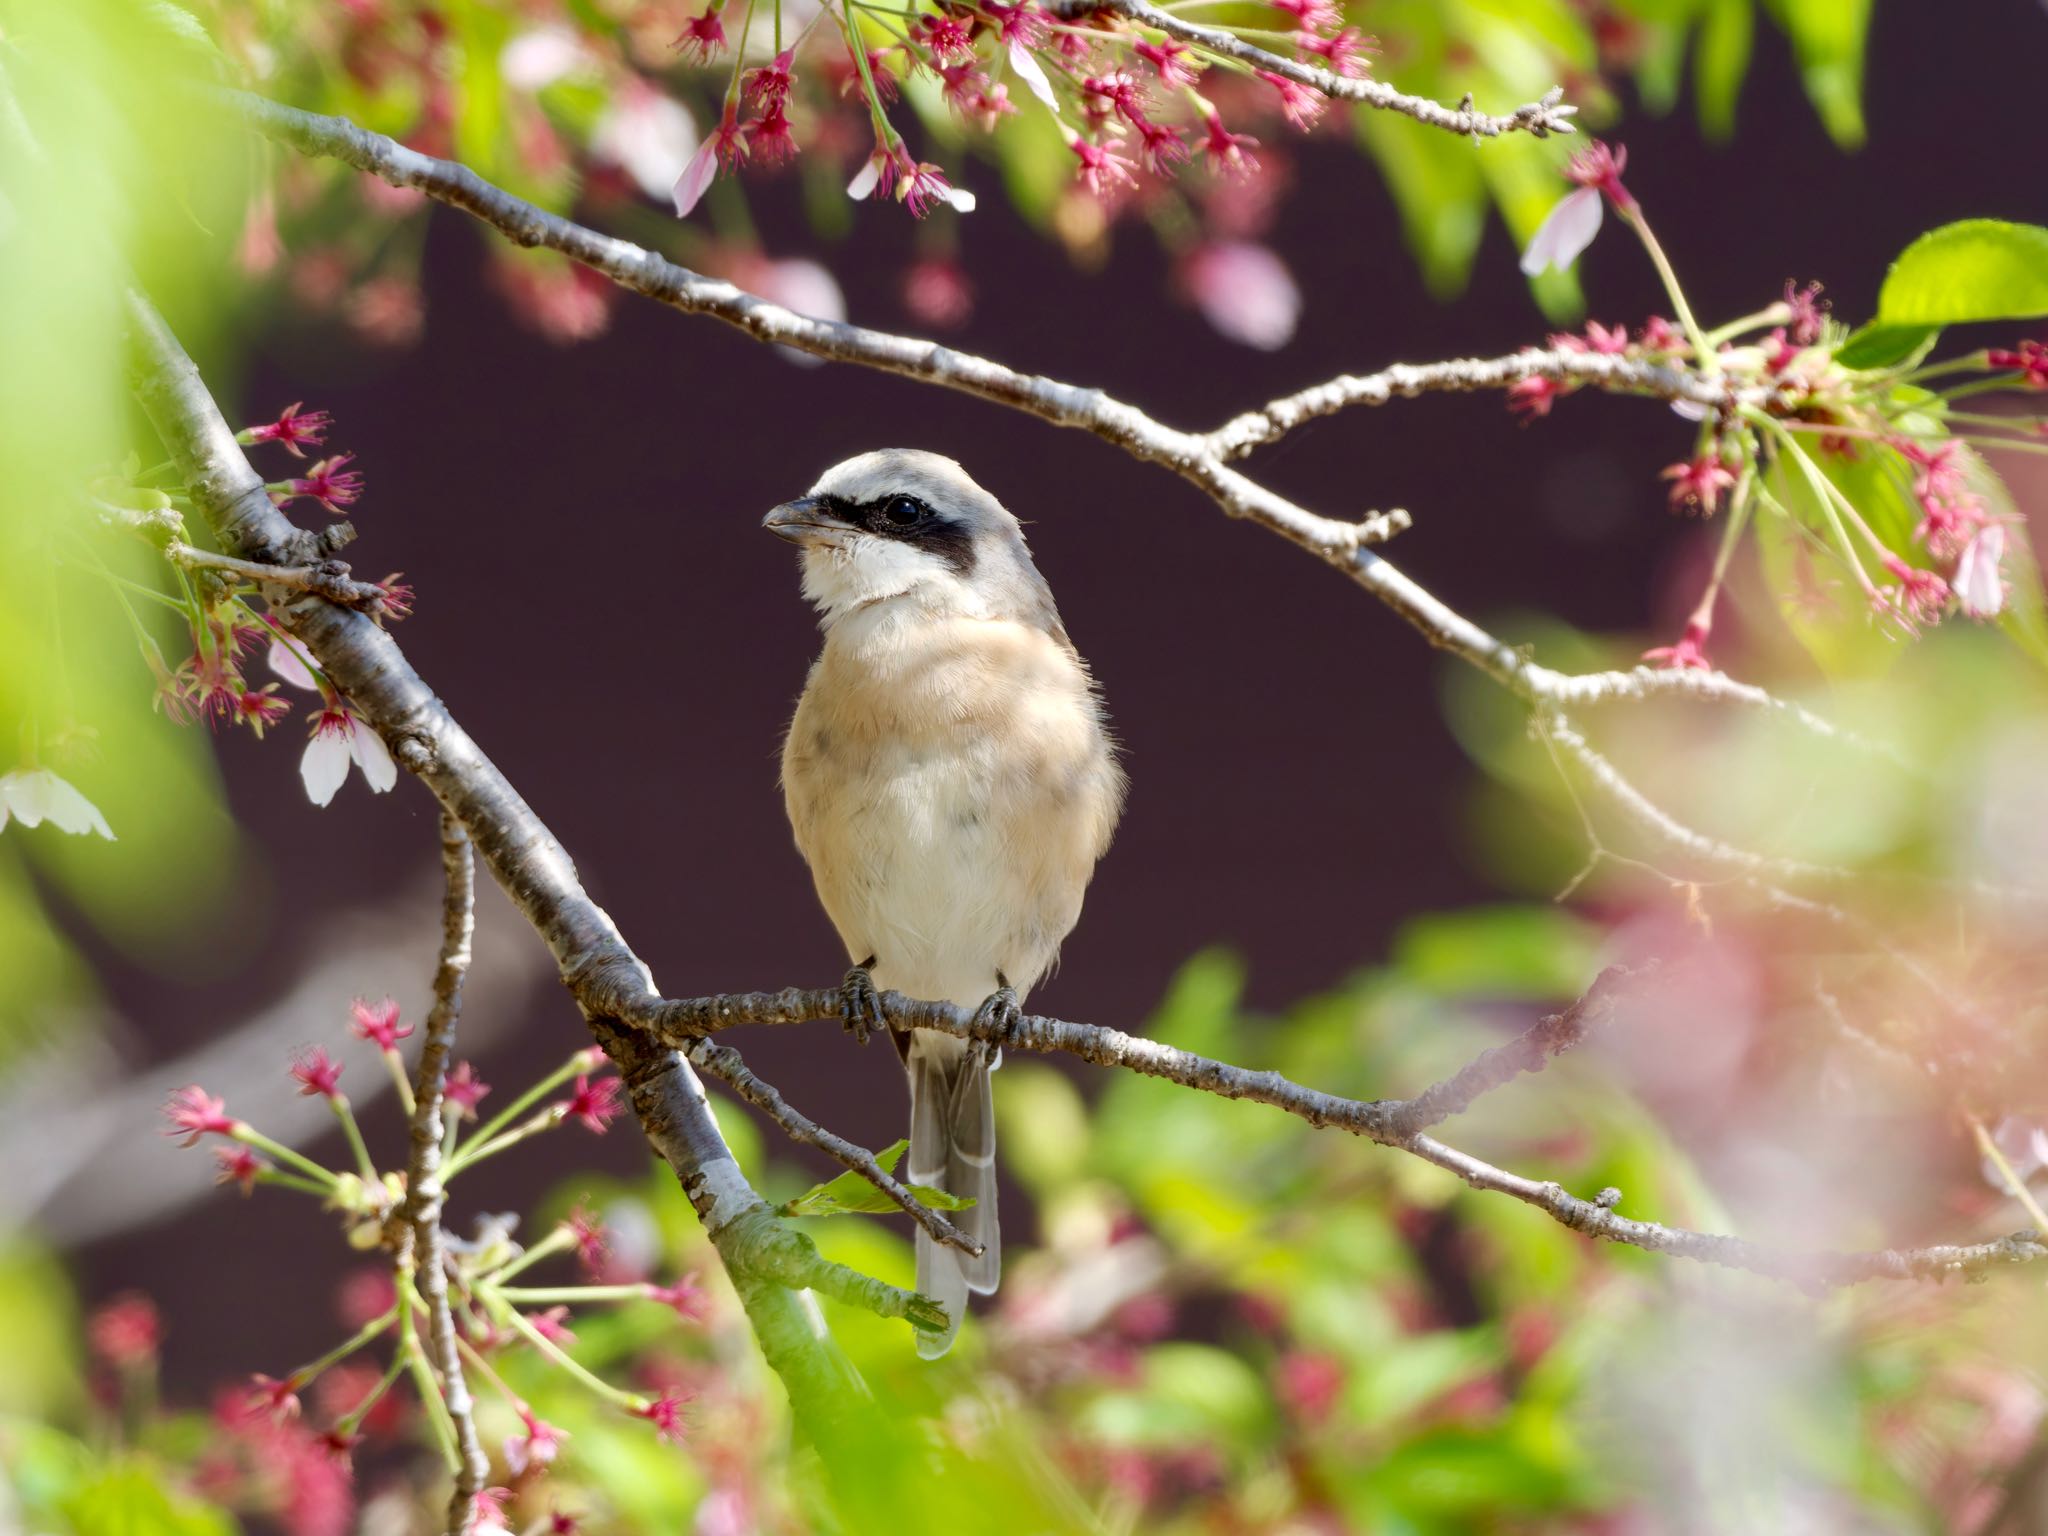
x: 807, y: 520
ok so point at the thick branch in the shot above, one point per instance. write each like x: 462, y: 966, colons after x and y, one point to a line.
x: 1391, y: 1122
x: 1542, y: 117
x: 602, y: 973
x: 424, y: 1194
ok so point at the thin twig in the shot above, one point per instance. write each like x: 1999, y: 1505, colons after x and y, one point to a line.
x: 1390, y: 1122
x: 329, y: 579
x: 724, y: 1063
x: 424, y: 1193
x: 1545, y: 116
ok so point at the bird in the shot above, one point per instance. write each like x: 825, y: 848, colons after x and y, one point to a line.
x: 951, y: 781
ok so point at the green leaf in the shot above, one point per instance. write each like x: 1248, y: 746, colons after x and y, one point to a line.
x: 1720, y: 61
x: 1978, y: 269
x: 177, y: 22
x: 1828, y: 38
x: 1878, y: 345
x: 1537, y: 953
x: 850, y: 1194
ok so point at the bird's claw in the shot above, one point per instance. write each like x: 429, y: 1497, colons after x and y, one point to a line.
x: 860, y: 1008
x: 998, y: 1015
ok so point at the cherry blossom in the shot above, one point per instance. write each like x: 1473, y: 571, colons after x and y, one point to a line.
x: 647, y: 135
x: 1979, y: 588
x: 341, y: 738
x: 33, y: 796
x: 1245, y: 291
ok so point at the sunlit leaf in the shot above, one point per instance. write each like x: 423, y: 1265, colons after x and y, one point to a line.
x: 850, y: 1194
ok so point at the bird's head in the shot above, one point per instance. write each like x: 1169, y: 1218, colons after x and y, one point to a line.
x: 901, y: 523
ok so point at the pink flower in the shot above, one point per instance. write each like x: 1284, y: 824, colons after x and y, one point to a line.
x: 1019, y: 26
x: 536, y: 1447
x: 552, y: 1325
x: 726, y: 147
x: 1309, y: 1384
x: 1921, y: 597
x: 1570, y: 227
x: 126, y: 1331
x: 464, y: 1089
x: 1690, y: 651
x: 2031, y: 360
x: 937, y: 292
x: 921, y: 185
x: 490, y: 1509
x: 284, y: 659
x: 1228, y: 152
x: 1102, y: 169
x: 340, y: 738
x: 665, y: 1413
x: 685, y: 1296
x: 1244, y: 291
x: 1116, y: 92
x: 1598, y: 168
x: 237, y: 1165
x: 377, y: 1023
x: 260, y: 708
x: 1164, y: 149
x: 1314, y: 15
x: 770, y: 83
x: 701, y: 37
x: 595, y: 1103
x: 193, y: 1113
x: 326, y: 482
x: 293, y: 429
x: 1807, y: 311
x: 769, y: 141
x: 1339, y: 52
x: 1534, y: 396
x: 591, y: 1240
x: 318, y: 1074
x: 1978, y: 586
x: 279, y: 1399
x: 946, y: 36
x: 1176, y: 65
x: 1301, y: 105
x: 1698, y: 483
x: 394, y: 598
x: 1660, y: 335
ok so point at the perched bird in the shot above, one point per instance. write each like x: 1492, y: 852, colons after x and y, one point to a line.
x: 951, y: 782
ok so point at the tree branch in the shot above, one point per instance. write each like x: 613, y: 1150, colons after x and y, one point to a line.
x: 329, y: 578
x: 724, y: 1063
x: 1393, y: 1123
x: 1542, y: 117
x: 424, y: 1193
x: 767, y: 1261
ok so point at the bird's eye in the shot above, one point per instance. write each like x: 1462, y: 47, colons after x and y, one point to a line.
x: 903, y: 512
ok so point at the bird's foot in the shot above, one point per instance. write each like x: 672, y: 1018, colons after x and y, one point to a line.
x: 860, y: 1008
x: 999, y: 1014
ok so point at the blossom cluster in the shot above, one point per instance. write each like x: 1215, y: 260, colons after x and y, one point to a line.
x: 1792, y: 417
x: 496, y: 1306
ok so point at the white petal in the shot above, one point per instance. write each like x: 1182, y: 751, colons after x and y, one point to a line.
x: 373, y: 757
x: 689, y: 187
x: 1691, y: 410
x: 284, y: 661
x: 1032, y: 73
x: 324, y: 765
x: 864, y: 179
x: 1245, y: 292
x: 36, y: 795
x: 1978, y: 584
x: 1565, y: 233
x: 647, y: 135
x: 540, y: 57
x: 961, y: 199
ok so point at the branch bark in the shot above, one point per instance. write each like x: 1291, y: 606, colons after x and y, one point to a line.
x: 424, y: 1193
x: 1396, y: 1123
x: 768, y: 1261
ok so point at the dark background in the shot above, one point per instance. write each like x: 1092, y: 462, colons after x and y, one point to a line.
x: 599, y: 608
